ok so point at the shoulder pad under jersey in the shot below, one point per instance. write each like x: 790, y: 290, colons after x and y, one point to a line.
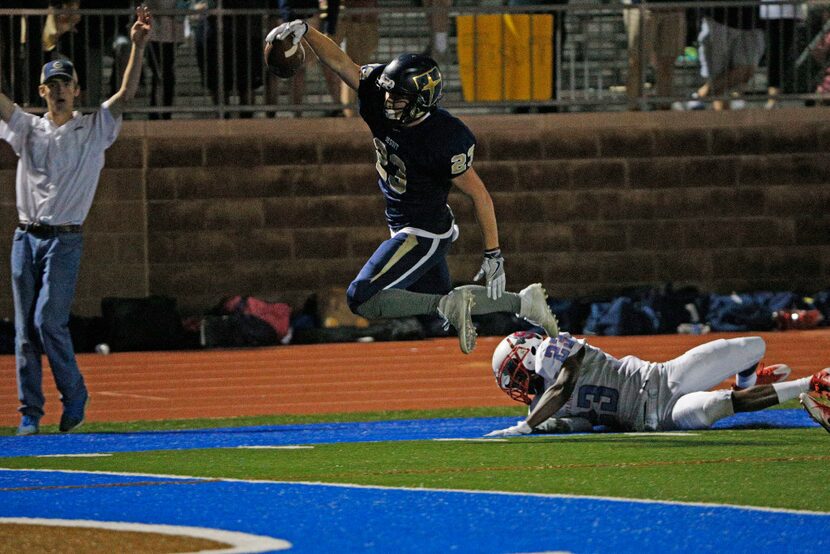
x: 553, y: 352
x: 366, y: 70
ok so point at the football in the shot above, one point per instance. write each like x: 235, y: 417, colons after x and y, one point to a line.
x: 283, y: 58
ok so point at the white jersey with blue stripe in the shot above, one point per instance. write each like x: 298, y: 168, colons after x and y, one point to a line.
x: 609, y: 391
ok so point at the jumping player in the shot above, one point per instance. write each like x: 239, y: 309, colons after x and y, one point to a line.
x: 421, y: 152
x: 571, y: 386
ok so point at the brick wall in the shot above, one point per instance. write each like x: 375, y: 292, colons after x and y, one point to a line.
x: 586, y: 203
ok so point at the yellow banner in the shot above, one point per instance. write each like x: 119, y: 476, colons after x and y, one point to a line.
x: 505, y: 57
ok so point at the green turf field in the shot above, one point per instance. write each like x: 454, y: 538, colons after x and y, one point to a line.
x: 783, y: 468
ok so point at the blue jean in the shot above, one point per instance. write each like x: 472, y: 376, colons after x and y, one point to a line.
x: 44, y: 274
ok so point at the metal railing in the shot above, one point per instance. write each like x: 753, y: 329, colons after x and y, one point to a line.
x: 571, y: 57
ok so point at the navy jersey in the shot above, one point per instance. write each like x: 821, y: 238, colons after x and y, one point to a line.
x: 415, y: 164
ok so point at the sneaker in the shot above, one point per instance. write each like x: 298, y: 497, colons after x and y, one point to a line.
x: 770, y: 374
x: 767, y: 375
x: 73, y: 413
x: 820, y: 413
x: 694, y: 104
x: 456, y: 309
x: 820, y: 382
x: 29, y: 425
x: 535, y: 309
x: 737, y: 104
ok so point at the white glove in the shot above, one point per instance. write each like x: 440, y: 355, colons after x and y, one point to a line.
x: 492, y: 270
x: 521, y: 428
x: 295, y: 29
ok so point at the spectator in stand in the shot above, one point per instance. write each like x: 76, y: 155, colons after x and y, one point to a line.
x: 78, y: 38
x: 21, y: 53
x: 731, y: 45
x: 781, y: 22
x: 358, y: 34
x: 241, y: 46
x: 657, y: 36
x: 816, y: 57
x: 202, y: 31
x: 167, y: 32
x: 439, y: 23
x: 322, y: 15
x: 89, y: 39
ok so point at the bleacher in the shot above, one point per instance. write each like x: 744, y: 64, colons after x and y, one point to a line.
x: 592, y: 72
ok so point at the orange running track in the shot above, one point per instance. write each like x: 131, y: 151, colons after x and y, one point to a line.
x: 353, y: 377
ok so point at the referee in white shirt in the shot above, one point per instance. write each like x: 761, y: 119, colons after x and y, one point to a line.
x: 60, y: 159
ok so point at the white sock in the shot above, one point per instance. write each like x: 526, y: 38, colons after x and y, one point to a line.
x: 791, y: 389
x: 439, y: 41
x: 745, y: 381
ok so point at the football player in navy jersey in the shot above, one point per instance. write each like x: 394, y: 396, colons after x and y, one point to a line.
x: 422, y: 151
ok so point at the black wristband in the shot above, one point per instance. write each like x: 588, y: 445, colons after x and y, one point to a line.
x: 493, y: 253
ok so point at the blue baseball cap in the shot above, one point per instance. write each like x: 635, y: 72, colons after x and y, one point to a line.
x: 58, y: 69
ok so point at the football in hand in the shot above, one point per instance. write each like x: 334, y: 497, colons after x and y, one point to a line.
x: 283, y: 57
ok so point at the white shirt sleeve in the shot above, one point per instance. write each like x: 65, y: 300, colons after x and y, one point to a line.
x: 105, y: 126
x: 16, y: 130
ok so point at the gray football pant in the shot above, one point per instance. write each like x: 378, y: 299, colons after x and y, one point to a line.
x: 403, y: 303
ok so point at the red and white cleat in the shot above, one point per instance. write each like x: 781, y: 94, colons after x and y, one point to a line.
x: 767, y: 375
x: 820, y: 413
x: 820, y: 382
x: 770, y: 374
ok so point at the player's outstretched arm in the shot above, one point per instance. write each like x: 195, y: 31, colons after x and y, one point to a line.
x: 326, y: 49
x: 549, y: 402
x: 557, y: 394
x: 564, y: 425
x: 129, y: 85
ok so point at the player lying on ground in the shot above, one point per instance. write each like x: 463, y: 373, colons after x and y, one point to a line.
x: 572, y: 386
x: 422, y: 152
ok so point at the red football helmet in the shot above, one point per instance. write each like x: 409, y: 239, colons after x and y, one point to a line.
x: 514, y: 361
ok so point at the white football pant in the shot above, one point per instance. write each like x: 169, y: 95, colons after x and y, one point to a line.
x: 700, y: 369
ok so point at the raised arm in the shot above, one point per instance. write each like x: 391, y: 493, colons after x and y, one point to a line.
x: 326, y: 49
x: 132, y: 75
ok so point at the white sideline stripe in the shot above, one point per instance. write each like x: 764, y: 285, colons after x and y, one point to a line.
x: 471, y: 440
x: 288, y: 447
x: 573, y: 436
x: 429, y: 489
x: 72, y: 456
x: 671, y: 434
x: 128, y: 395
x: 240, y: 542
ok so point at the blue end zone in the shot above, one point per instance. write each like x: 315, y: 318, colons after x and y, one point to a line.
x: 319, y: 433
x: 334, y: 518
x: 330, y: 518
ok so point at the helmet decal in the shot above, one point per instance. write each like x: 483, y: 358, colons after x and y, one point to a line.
x: 428, y: 82
x: 386, y: 82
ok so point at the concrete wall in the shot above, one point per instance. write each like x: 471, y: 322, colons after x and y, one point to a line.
x: 586, y: 203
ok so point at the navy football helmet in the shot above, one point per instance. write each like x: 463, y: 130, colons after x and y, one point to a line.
x: 416, y: 79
